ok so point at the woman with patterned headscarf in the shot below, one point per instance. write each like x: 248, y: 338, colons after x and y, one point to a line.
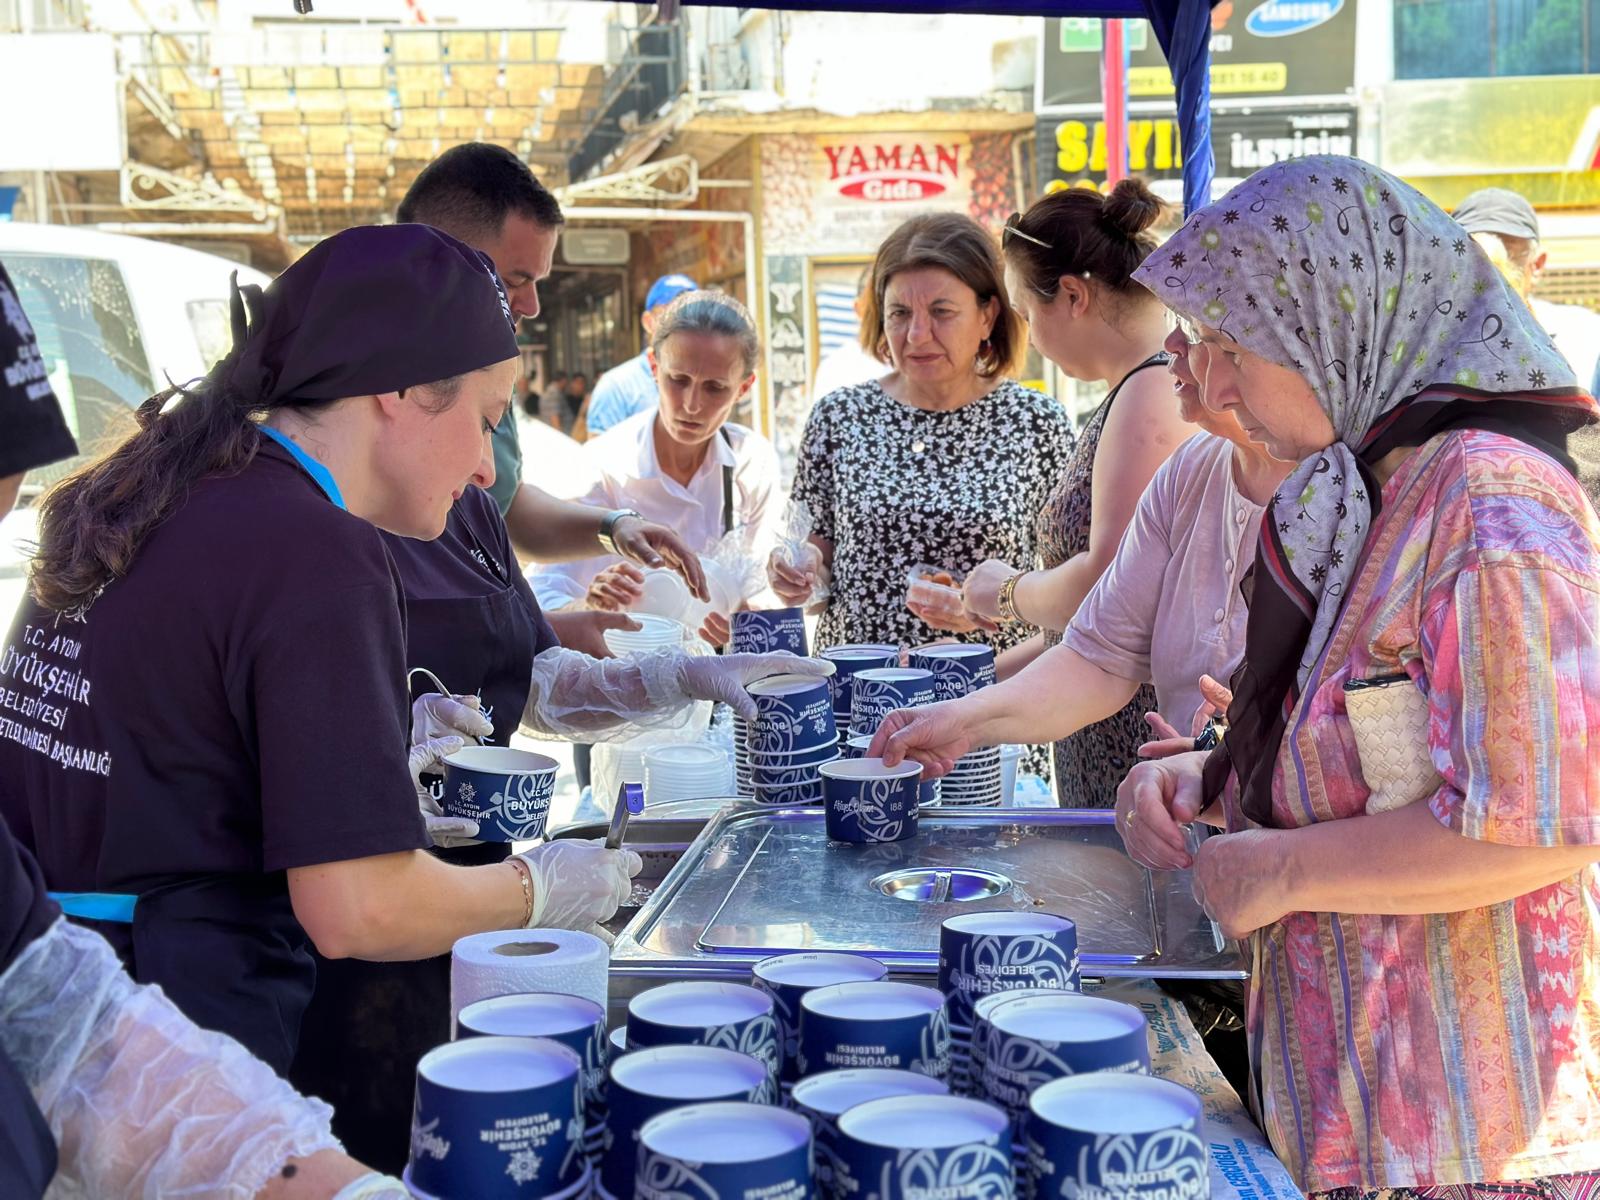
x: 1411, y: 780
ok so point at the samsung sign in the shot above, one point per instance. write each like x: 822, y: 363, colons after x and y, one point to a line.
x: 1279, y: 18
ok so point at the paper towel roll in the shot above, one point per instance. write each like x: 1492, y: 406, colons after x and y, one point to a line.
x: 485, y: 965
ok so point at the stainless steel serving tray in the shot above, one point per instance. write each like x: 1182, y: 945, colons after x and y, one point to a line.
x: 760, y: 880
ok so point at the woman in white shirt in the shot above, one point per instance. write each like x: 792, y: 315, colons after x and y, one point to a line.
x: 682, y: 463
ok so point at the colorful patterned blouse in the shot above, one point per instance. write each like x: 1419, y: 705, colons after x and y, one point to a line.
x: 1399, y: 1051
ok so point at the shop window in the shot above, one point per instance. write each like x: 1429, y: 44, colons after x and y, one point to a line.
x: 1443, y: 39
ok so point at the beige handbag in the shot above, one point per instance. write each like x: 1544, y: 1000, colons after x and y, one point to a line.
x: 1389, y: 718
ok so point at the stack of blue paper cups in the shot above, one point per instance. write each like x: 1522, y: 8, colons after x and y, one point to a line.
x: 851, y: 660
x: 876, y: 693
x: 988, y: 952
x: 574, y: 1021
x: 1130, y: 1136
x: 959, y: 669
x: 498, y: 1118
x: 776, y: 756
x: 824, y: 1098
x: 768, y: 631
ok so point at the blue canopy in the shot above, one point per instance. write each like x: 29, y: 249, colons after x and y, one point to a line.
x: 1183, y: 27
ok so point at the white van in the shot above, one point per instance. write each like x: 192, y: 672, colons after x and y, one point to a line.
x: 117, y: 319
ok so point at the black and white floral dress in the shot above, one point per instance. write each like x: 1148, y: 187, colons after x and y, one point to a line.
x: 891, y: 486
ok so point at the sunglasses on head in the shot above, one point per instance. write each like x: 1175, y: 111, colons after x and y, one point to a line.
x: 1011, y: 227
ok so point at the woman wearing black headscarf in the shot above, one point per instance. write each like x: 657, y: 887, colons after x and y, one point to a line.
x: 203, y: 706
x: 1409, y: 782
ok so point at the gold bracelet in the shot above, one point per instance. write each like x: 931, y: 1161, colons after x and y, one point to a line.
x: 1007, y: 602
x: 526, y: 876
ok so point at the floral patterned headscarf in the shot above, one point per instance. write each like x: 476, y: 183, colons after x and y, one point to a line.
x: 1402, y: 328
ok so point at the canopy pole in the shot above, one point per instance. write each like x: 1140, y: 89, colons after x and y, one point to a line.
x: 1114, y: 87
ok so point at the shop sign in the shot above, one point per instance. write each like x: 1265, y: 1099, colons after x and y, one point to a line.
x: 849, y: 191
x: 891, y: 170
x: 590, y: 247
x: 1258, y: 48
x: 786, y: 355
x: 1073, y: 150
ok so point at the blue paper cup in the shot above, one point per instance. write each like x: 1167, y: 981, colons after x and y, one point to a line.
x: 769, y: 631
x: 851, y: 660
x: 727, y: 1151
x: 646, y: 1083
x: 826, y: 752
x: 855, y: 745
x: 788, y: 977
x: 730, y: 1016
x: 1034, y: 1038
x: 866, y: 801
x: 987, y: 952
x: 582, y: 1190
x: 507, y: 792
x: 899, y: 1025
x: 877, y: 693
x: 577, y: 1023
x: 971, y: 1042
x: 788, y: 777
x: 497, y: 1117
x: 793, y: 716
x: 797, y: 796
x: 958, y: 667
x: 912, y: 1147
x: 1126, y: 1137
x: 823, y: 1098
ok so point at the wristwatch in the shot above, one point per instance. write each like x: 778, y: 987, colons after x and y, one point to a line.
x: 609, y: 523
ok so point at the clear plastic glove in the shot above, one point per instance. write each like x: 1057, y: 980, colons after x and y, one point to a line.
x: 724, y: 679
x: 425, y: 758
x: 438, y: 716
x: 141, y: 1100
x: 578, y: 884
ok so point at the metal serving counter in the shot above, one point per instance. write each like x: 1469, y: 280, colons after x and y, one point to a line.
x: 757, y: 880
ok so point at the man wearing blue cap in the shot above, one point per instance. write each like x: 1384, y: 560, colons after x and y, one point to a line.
x: 631, y: 387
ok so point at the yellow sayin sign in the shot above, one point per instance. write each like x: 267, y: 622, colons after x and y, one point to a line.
x: 1153, y: 145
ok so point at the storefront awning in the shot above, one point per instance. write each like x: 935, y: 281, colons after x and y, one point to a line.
x: 1182, y: 27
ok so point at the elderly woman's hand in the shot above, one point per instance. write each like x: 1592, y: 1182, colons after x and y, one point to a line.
x: 934, y: 735
x: 980, y: 595
x: 1238, y: 880
x: 1155, y: 801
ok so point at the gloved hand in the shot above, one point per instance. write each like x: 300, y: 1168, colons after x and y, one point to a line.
x: 578, y: 884
x: 724, y: 678
x: 373, y: 1187
x: 436, y: 715
x: 446, y: 832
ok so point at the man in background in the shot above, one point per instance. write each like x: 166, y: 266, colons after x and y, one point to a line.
x: 631, y: 387
x: 486, y: 196
x: 550, y: 399
x: 1504, y: 224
